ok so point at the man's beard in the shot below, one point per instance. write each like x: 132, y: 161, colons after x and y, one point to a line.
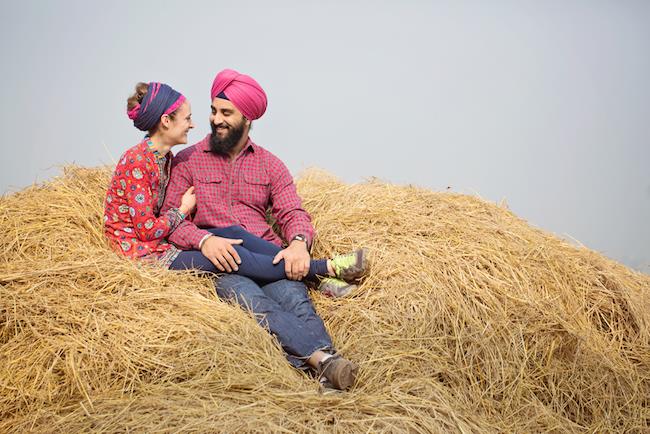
x: 223, y: 146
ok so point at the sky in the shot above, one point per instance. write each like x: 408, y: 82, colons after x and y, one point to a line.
x: 543, y: 104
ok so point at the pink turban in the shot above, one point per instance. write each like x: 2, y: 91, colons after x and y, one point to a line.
x: 242, y: 90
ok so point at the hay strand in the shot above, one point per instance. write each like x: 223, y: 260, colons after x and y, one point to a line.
x: 470, y: 321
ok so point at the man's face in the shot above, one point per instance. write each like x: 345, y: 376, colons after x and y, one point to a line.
x: 228, y: 125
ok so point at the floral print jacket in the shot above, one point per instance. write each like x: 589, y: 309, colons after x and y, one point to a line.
x: 133, y: 200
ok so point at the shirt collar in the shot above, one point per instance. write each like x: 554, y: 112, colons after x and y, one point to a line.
x: 149, y: 143
x: 249, y: 146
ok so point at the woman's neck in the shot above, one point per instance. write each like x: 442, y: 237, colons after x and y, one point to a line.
x: 159, y: 144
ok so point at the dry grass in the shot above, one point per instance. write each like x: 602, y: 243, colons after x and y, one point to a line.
x: 471, y: 321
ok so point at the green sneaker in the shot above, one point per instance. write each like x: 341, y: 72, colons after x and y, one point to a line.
x: 352, y: 266
x: 333, y: 287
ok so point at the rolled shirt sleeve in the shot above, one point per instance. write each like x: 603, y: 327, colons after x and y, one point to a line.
x: 286, y: 206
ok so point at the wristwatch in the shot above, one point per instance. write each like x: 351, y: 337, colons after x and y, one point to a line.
x: 300, y: 237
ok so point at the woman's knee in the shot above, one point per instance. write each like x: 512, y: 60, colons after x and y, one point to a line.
x: 193, y: 260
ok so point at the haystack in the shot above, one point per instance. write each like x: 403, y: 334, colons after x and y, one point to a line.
x: 471, y: 321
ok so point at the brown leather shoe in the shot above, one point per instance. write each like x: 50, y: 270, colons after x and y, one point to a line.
x: 340, y: 372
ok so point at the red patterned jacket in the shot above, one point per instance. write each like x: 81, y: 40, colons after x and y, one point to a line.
x: 133, y: 200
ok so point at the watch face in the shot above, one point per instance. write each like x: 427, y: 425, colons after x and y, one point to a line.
x: 299, y: 238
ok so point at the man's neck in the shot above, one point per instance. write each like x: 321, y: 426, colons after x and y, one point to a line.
x: 234, y: 152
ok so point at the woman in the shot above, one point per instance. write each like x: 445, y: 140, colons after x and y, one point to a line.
x: 136, y: 193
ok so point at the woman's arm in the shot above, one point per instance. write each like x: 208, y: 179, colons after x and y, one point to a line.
x: 139, y: 198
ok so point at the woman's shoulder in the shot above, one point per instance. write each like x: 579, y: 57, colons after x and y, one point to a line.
x: 136, y: 156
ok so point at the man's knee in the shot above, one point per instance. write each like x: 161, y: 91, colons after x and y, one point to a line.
x: 291, y: 294
x: 246, y: 293
x: 288, y: 287
x: 233, y: 286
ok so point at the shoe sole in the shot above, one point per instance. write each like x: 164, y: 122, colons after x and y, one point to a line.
x: 347, y: 376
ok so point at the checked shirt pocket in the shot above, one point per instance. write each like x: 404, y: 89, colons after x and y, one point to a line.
x: 209, y: 188
x: 256, y: 190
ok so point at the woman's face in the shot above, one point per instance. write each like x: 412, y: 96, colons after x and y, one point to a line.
x: 178, y: 127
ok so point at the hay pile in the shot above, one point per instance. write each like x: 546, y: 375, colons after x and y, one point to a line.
x: 471, y: 321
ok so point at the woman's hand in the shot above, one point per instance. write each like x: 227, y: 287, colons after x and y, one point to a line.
x: 188, y: 201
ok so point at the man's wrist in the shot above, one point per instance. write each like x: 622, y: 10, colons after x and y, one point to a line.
x: 302, y: 239
x: 205, y: 237
x: 297, y: 244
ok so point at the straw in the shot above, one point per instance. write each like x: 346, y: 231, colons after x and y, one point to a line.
x: 470, y: 321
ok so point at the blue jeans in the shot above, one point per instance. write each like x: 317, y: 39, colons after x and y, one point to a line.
x: 284, y: 309
x: 256, y: 256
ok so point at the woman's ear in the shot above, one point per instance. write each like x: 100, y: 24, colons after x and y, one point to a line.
x: 165, y: 121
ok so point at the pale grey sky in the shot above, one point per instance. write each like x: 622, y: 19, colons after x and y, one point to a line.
x: 543, y: 103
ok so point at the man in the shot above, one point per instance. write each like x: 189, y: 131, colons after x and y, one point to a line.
x: 235, y: 182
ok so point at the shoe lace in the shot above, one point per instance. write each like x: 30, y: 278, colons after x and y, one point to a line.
x: 344, y: 261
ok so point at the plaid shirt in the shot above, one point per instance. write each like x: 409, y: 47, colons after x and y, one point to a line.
x: 235, y: 192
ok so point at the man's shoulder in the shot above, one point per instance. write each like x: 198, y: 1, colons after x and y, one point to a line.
x: 267, y: 156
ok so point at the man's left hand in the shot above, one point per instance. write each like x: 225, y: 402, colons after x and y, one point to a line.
x: 296, y: 260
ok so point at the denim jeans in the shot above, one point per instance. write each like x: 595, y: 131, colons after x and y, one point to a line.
x: 283, y: 308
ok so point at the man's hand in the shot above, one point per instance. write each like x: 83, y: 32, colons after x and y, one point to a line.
x: 296, y: 260
x: 221, y: 253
